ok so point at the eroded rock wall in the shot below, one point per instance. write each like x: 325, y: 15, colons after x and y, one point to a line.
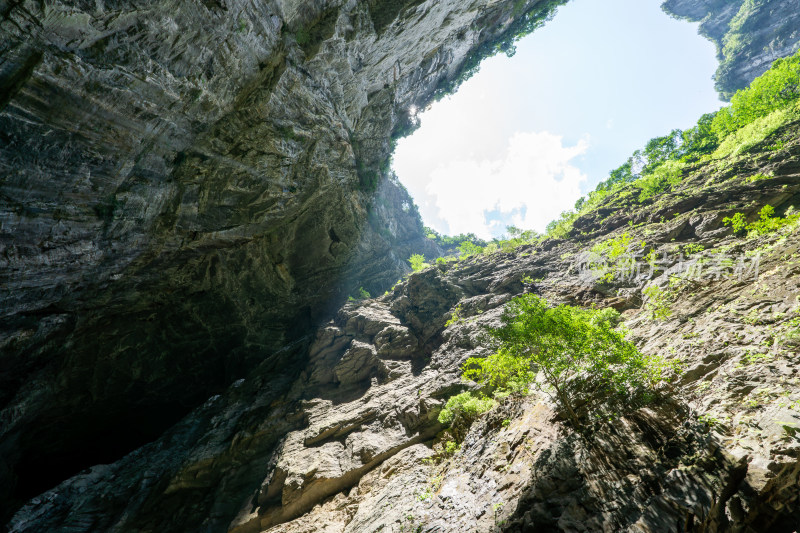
x: 352, y: 443
x: 185, y: 189
x: 749, y: 34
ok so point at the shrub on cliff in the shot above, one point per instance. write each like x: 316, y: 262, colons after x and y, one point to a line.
x: 577, y: 356
x: 417, y: 262
x: 766, y: 223
x: 771, y: 101
x: 462, y: 410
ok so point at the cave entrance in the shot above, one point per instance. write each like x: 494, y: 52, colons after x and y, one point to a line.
x: 527, y: 136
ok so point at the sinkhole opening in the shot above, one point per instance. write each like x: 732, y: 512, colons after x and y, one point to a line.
x: 525, y: 138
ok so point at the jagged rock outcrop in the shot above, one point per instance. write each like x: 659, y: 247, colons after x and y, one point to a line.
x: 750, y: 35
x: 186, y: 188
x: 352, y: 445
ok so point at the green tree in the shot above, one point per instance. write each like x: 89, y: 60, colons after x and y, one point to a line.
x: 462, y: 410
x: 661, y: 149
x: 700, y: 140
x: 418, y: 262
x: 574, y: 351
x: 468, y: 248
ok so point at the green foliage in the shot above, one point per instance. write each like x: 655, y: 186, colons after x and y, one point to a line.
x: 755, y: 133
x: 418, y: 262
x: 663, y: 177
x: 752, y: 357
x: 368, y: 178
x: 767, y: 222
x: 614, y: 248
x: 449, y: 244
x: 709, y: 420
x: 450, y: 447
x: 700, y: 140
x: 758, y: 177
x: 579, y: 354
x: 657, y: 303
x: 462, y: 410
x: 467, y: 249
x: 613, y: 256
x: 651, y: 160
x: 465, y: 405
x: 455, y: 317
x: 738, y: 222
x: 503, y: 371
x: 560, y: 228
x: 362, y: 295
x: 693, y: 248
x: 517, y: 237
x: 468, y: 245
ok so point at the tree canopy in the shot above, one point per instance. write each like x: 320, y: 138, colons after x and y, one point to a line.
x: 576, y: 355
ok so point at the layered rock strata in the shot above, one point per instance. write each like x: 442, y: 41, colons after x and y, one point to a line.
x: 188, y: 188
x: 352, y: 443
x: 749, y: 34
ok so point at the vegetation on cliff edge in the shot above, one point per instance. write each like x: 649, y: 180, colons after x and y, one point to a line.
x: 580, y: 357
x: 771, y: 101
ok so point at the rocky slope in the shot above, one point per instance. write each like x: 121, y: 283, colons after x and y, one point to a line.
x: 749, y: 34
x: 353, y: 444
x: 188, y: 188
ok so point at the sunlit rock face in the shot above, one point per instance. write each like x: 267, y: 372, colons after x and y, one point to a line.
x: 749, y: 34
x: 186, y: 187
x: 351, y: 444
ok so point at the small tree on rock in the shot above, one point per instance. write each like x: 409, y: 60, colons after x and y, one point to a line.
x: 569, y: 350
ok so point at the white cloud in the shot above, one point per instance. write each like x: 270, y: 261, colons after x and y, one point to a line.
x: 529, y: 186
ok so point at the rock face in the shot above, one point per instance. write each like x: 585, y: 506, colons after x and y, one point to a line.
x: 350, y: 443
x: 720, y: 454
x: 750, y: 35
x: 188, y: 189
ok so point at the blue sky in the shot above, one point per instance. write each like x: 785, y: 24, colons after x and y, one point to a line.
x: 527, y: 136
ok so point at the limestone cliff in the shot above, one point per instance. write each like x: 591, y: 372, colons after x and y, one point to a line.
x: 349, y: 445
x: 749, y: 34
x: 186, y: 188
x: 189, y: 188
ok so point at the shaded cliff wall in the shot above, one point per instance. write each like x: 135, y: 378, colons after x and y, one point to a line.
x: 186, y: 187
x: 350, y: 448
x: 749, y: 34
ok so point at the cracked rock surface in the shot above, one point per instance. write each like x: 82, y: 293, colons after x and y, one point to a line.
x: 189, y: 190
x: 186, y: 189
